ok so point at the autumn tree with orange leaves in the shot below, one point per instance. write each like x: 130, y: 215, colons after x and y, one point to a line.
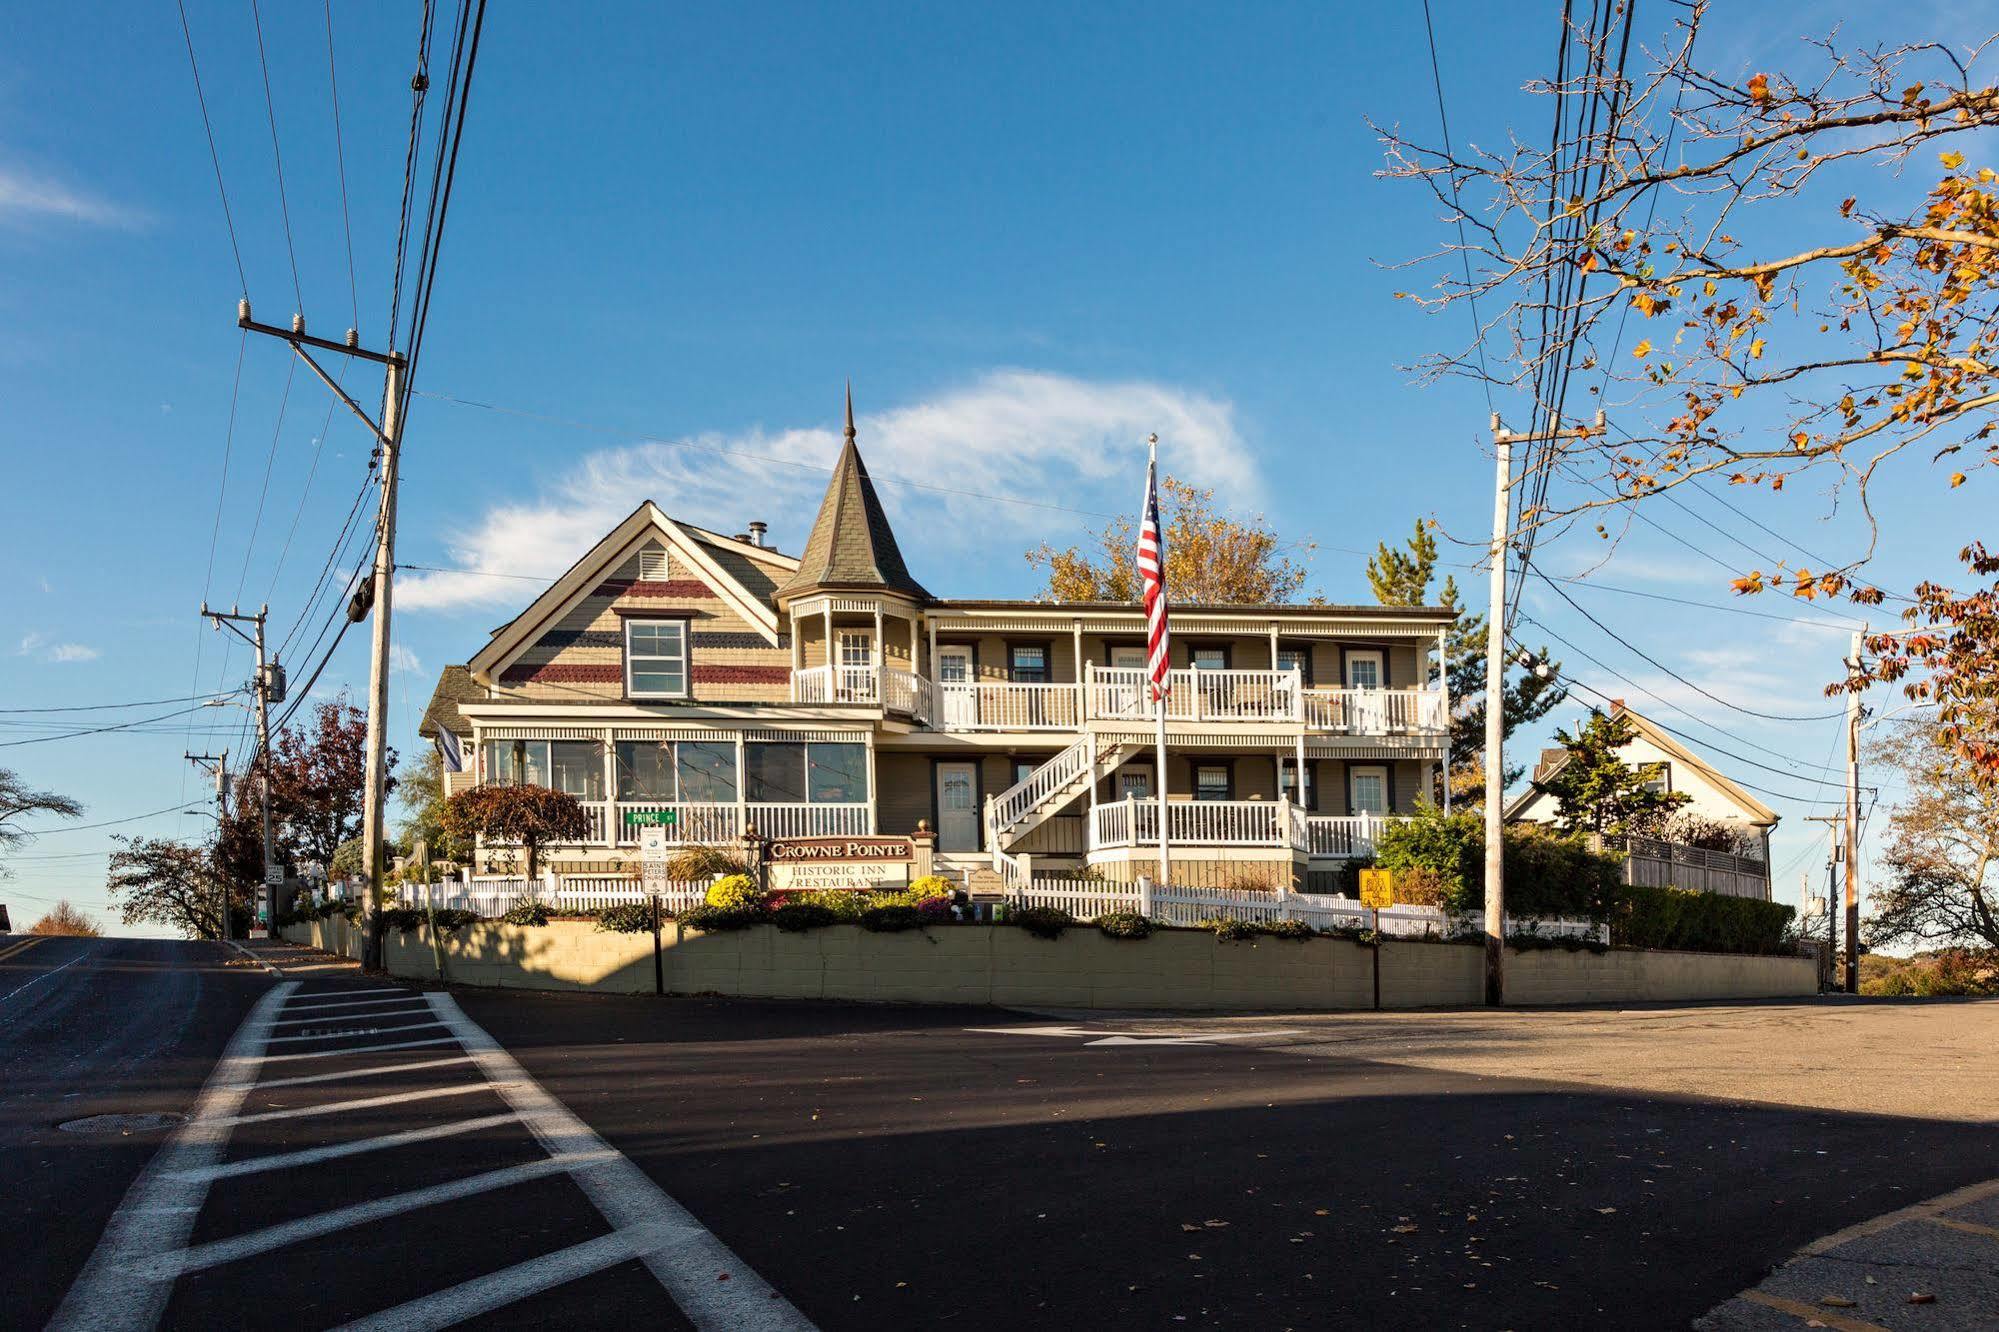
x: 1759, y: 279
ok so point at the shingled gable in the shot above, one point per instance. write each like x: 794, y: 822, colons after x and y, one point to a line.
x: 644, y: 522
x: 852, y: 545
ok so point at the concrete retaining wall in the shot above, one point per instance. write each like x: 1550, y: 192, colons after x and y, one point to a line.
x: 1185, y: 969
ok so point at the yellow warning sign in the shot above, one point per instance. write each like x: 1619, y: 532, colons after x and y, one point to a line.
x: 1377, y: 887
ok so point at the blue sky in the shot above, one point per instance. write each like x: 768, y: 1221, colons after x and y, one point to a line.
x: 1028, y: 235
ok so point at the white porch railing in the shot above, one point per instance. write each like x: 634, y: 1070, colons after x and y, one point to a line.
x: 1376, y: 711
x: 1344, y: 836
x: 713, y: 822
x: 889, y: 686
x: 1003, y: 706
x: 1135, y: 822
x: 1012, y: 804
x: 818, y: 820
x: 492, y: 896
x: 1114, y: 693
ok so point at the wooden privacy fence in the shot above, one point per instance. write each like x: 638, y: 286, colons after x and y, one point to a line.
x: 1650, y: 863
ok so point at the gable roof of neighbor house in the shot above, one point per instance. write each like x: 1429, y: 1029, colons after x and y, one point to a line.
x: 454, y: 686
x: 852, y: 545
x: 1553, y: 760
x: 692, y: 543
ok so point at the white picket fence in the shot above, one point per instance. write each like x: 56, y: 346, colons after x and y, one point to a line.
x: 1190, y: 906
x: 493, y: 895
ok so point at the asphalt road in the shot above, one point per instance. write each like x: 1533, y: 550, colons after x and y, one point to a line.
x: 568, y: 1160
x: 890, y: 1167
x: 90, y: 1027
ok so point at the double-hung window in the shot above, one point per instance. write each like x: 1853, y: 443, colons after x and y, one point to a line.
x: 1287, y: 782
x: 1029, y: 662
x: 1209, y: 659
x: 1295, y: 659
x: 656, y: 658
x: 1211, y: 781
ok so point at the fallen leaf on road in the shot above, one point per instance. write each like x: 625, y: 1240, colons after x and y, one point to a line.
x: 1836, y: 1302
x: 1921, y: 1297
x: 1212, y: 1224
x: 1872, y: 1282
x: 1190, y: 1227
x: 1320, y: 1211
x: 1404, y: 1229
x: 1605, y: 1211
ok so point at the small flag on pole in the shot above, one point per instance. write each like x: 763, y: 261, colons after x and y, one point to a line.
x: 1152, y: 578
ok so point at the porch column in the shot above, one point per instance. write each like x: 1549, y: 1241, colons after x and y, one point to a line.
x: 881, y: 659
x: 874, y: 791
x: 832, y: 667
x: 1273, y: 645
x: 1444, y: 706
x: 797, y: 652
x: 1076, y: 665
x: 931, y: 625
x: 1298, y: 775
x: 742, y: 788
x: 915, y: 661
x: 611, y: 826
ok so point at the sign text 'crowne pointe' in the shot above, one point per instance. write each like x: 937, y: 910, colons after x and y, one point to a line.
x: 797, y: 849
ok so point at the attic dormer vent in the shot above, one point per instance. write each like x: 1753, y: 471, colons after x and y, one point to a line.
x: 652, y: 566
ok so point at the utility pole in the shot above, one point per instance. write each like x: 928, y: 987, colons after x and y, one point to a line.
x: 270, y: 686
x: 1834, y: 854
x: 1503, y: 441
x: 1853, y: 710
x: 221, y: 762
x: 378, y: 590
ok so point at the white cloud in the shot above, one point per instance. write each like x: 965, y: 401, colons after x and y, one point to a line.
x: 28, y: 198
x: 41, y: 648
x: 402, y: 659
x: 1046, y: 438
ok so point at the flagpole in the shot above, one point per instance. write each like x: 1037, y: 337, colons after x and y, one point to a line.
x: 1159, y: 689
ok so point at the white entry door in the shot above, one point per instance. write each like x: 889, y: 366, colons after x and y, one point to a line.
x: 954, y: 682
x: 1367, y: 707
x: 957, y: 806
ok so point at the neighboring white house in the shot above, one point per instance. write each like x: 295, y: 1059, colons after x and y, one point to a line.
x: 1710, y: 793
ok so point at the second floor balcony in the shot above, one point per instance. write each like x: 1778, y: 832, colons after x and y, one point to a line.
x: 1111, y: 694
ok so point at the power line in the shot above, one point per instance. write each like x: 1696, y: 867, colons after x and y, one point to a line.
x: 419, y: 86
x: 340, y: 160
x: 214, y: 158
x: 1464, y: 247
x: 270, y: 459
x: 1692, y: 716
x: 100, y: 730
x: 103, y: 707
x: 271, y: 113
x: 110, y: 823
x: 1684, y: 601
x: 1652, y: 661
x: 318, y: 448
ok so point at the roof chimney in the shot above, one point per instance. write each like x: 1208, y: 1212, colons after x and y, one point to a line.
x: 758, y: 531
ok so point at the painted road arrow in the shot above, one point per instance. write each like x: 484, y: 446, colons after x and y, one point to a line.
x: 1089, y: 1037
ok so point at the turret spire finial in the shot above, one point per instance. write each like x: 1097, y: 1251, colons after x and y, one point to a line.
x: 850, y: 411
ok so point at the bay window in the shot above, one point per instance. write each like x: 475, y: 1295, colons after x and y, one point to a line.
x: 575, y: 767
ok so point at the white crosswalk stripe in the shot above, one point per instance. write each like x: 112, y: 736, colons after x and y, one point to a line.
x: 145, y: 1249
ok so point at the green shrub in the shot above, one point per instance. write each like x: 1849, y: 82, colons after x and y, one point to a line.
x: 1422, y: 887
x: 453, y: 918
x: 529, y: 912
x: 1228, y: 928
x: 891, y: 919
x: 1287, y: 929
x: 737, y: 892
x: 1124, y: 925
x: 1547, y: 874
x: 1042, y: 922
x: 1958, y: 971
x: 930, y: 886
x: 719, y: 920
x: 845, y: 905
x: 1699, y: 922
x: 626, y: 918
x: 796, y: 917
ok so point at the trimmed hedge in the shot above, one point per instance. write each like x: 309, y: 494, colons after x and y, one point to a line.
x: 1681, y: 918
x: 625, y: 918
x: 1042, y: 922
x: 1546, y: 874
x: 1124, y: 925
x: 796, y: 917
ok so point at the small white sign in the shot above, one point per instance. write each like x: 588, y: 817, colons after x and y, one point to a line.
x: 652, y: 858
x: 274, y: 876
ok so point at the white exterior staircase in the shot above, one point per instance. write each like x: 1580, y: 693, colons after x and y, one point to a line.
x: 1037, y: 797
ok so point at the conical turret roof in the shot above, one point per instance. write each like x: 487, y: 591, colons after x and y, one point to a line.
x: 852, y: 545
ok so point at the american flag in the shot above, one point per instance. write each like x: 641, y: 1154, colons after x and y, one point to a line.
x: 1152, y: 576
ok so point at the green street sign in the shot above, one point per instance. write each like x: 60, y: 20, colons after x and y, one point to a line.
x: 649, y: 818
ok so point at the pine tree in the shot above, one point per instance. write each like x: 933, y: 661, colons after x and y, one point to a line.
x: 1596, y: 791
x: 1403, y: 578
